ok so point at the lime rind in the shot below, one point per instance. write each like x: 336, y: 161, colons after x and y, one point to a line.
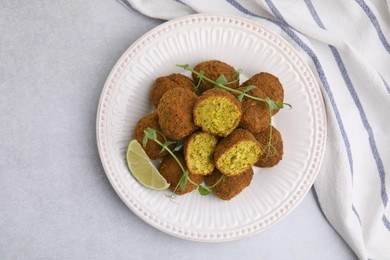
x: 142, y: 168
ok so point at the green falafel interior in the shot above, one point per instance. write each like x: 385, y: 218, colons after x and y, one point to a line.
x: 217, y: 115
x: 239, y: 158
x: 199, y: 153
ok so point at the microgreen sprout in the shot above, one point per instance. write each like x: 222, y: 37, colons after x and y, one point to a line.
x: 270, y: 146
x: 150, y: 133
x: 200, y: 80
x: 221, y: 82
x: 237, y: 73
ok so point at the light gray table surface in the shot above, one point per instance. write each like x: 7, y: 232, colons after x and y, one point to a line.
x: 55, y: 199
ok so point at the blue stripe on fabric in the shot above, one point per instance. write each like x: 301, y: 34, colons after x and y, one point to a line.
x: 356, y: 214
x: 375, y: 23
x: 366, y: 124
x: 314, y: 14
x: 353, y: 93
x: 317, y: 19
x: 247, y: 12
x: 386, y: 222
x: 128, y: 5
x: 317, y: 64
x: 323, y: 79
x: 242, y: 9
x: 385, y: 83
x: 180, y: 2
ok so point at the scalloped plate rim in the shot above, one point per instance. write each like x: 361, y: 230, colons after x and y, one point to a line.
x: 133, y: 206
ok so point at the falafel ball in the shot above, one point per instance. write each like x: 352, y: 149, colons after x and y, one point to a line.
x: 162, y: 84
x: 152, y: 149
x: 175, y: 113
x: 255, y: 114
x: 172, y: 172
x: 269, y: 84
x: 274, y: 154
x: 199, y: 152
x: 217, y: 112
x: 213, y: 69
x: 230, y: 186
x: 237, y: 153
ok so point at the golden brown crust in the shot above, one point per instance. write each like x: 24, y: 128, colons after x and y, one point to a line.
x: 277, y: 141
x: 255, y: 114
x: 269, y: 84
x: 237, y: 136
x: 217, y: 92
x: 163, y: 84
x: 175, y: 113
x: 152, y: 149
x: 212, y: 70
x: 230, y: 186
x: 172, y: 172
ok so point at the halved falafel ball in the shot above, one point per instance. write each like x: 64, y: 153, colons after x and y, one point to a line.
x: 230, y: 186
x: 217, y: 112
x: 152, y: 149
x: 237, y: 153
x: 274, y: 154
x: 213, y: 69
x: 199, y: 152
x: 163, y: 84
x: 172, y: 172
x: 255, y: 114
x: 175, y: 113
x: 269, y: 84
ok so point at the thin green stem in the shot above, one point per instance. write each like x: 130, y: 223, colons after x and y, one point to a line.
x: 165, y: 139
x: 219, y: 85
x: 197, y: 85
x: 192, y: 182
x: 171, y: 153
x: 218, y: 182
x: 270, y: 132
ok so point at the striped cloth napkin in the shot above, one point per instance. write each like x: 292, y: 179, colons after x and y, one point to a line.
x: 347, y: 45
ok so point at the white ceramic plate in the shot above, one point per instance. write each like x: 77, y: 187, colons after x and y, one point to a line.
x: 244, y: 44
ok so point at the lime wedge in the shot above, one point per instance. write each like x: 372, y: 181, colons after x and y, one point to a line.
x: 142, y: 168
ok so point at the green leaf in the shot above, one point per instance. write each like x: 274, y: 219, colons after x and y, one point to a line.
x: 183, y: 181
x: 221, y: 80
x: 184, y: 66
x: 145, y: 140
x: 240, y: 97
x: 200, y: 77
x: 271, y: 104
x: 237, y: 73
x: 151, y: 133
x: 249, y: 88
x: 203, y: 190
x: 279, y: 104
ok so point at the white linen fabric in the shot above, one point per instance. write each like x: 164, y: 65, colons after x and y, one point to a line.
x: 347, y: 45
